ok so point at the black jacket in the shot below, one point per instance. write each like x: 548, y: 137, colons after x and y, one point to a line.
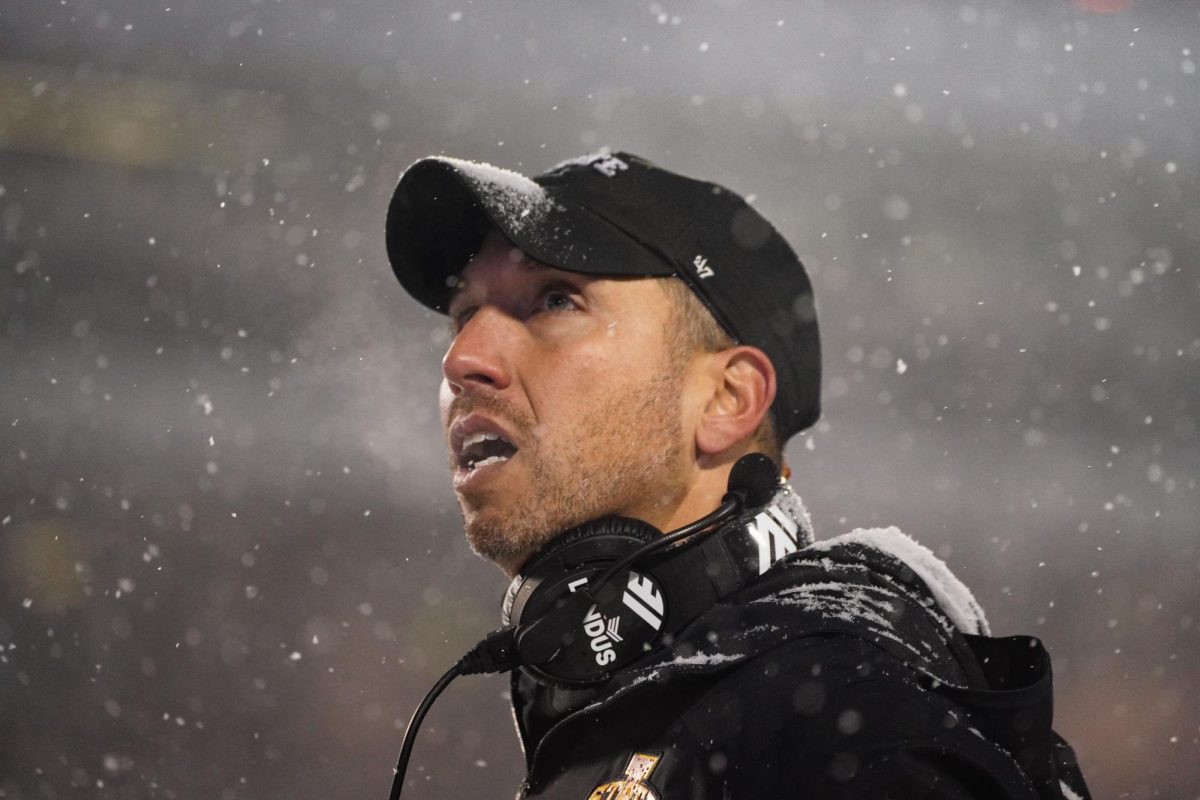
x: 843, y: 672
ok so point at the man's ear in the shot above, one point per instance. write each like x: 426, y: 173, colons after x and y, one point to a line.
x: 743, y: 390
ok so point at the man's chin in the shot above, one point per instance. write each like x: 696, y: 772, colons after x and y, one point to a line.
x: 496, y: 536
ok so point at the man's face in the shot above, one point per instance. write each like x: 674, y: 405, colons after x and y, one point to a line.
x: 562, y: 402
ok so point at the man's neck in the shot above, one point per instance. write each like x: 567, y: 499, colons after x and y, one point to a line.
x: 703, y: 495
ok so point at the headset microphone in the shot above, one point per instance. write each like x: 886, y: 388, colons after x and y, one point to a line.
x: 583, y: 582
x: 754, y: 478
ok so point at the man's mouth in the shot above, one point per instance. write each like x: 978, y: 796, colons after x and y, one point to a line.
x: 483, y: 449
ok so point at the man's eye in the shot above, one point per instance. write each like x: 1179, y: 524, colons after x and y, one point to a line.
x: 556, y: 300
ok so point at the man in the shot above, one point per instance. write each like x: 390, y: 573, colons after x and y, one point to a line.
x: 623, y: 335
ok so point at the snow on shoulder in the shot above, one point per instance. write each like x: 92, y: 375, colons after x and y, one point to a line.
x: 950, y: 593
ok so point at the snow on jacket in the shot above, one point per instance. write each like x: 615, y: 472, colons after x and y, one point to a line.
x: 857, y: 667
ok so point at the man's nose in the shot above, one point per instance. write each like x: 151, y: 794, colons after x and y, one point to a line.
x: 479, y: 356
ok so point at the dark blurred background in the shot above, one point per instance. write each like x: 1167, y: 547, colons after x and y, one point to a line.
x: 230, y: 560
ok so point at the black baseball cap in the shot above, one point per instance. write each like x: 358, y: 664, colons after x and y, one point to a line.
x: 617, y: 214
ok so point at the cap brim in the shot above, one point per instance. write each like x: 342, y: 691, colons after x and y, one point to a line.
x: 442, y: 208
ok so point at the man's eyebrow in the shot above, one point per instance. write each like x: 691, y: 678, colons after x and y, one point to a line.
x: 529, y: 264
x: 526, y: 263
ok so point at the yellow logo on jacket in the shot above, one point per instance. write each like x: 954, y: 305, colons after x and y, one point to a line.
x: 632, y: 785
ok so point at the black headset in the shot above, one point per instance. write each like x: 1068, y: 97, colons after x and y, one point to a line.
x: 578, y: 610
x: 582, y: 611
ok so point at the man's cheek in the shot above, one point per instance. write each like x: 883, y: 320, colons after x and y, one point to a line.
x: 594, y: 369
x: 572, y: 398
x: 445, y: 398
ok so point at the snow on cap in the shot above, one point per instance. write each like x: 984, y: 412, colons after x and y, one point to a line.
x: 619, y: 215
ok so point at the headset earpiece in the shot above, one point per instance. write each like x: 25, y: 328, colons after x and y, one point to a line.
x: 556, y: 618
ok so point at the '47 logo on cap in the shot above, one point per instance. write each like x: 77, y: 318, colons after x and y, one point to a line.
x: 609, y: 166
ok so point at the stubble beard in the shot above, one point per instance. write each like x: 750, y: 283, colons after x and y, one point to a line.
x: 622, y: 453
